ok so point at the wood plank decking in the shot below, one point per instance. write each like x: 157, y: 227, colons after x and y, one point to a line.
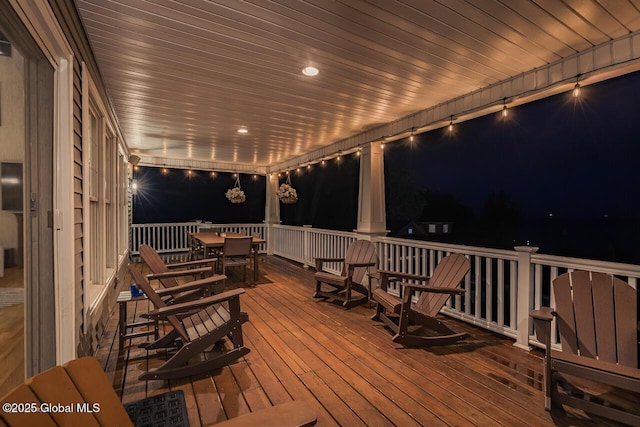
x: 346, y: 366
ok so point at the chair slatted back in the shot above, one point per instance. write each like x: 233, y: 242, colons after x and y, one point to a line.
x: 360, y: 251
x: 448, y: 274
x: 205, y: 321
x: 237, y: 246
x: 156, y: 265
x: 597, y: 318
x: 155, y: 299
x: 79, y: 382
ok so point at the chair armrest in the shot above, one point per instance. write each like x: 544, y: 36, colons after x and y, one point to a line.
x: 396, y: 276
x: 542, y: 325
x: 296, y: 413
x: 545, y: 314
x: 189, y: 286
x: 363, y: 264
x: 386, y: 276
x: 321, y: 261
x: 330, y: 259
x: 195, y: 304
x: 179, y: 273
x: 191, y: 263
x: 433, y: 289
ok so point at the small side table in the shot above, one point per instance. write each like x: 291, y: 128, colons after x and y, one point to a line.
x: 123, y: 298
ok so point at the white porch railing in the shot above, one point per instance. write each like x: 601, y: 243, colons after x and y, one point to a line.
x: 172, y: 237
x: 502, y: 286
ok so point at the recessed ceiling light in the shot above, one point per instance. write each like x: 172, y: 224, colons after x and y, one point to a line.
x: 310, y: 71
x: 243, y: 130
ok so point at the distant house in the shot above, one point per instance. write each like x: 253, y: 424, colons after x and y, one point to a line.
x: 415, y: 229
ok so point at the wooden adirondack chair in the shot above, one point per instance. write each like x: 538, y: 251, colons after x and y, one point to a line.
x: 197, y: 325
x: 81, y: 383
x: 597, y: 320
x: 399, y: 314
x: 361, y: 255
x: 166, y: 274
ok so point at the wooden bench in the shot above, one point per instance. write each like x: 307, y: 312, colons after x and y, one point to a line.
x: 80, y: 394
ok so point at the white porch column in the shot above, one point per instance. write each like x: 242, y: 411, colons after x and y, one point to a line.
x: 525, y: 290
x: 272, y: 210
x: 372, y: 218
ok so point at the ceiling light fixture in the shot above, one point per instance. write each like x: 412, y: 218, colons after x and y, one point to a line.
x: 505, y: 110
x: 310, y: 71
x: 243, y: 130
x: 451, y: 124
x: 411, y: 137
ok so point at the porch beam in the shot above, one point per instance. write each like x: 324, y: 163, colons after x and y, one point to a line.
x: 608, y: 60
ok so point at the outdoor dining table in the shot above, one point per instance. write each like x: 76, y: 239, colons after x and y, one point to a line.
x: 210, y: 240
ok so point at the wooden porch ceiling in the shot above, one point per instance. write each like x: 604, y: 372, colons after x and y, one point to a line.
x: 347, y: 367
x: 183, y: 76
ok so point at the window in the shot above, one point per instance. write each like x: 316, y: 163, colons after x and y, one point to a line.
x: 123, y: 211
x: 95, y: 125
x: 103, y: 200
x: 110, y: 201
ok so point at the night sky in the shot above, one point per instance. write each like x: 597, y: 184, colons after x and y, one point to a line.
x: 558, y: 156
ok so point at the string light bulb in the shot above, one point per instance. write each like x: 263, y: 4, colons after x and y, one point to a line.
x: 505, y: 109
x: 411, y: 137
x: 577, y: 90
x: 451, y: 124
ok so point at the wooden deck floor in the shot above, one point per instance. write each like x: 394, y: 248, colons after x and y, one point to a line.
x: 346, y: 366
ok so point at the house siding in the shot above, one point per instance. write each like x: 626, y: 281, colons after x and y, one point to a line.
x: 88, y: 329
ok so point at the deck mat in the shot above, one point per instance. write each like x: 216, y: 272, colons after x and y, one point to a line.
x: 165, y: 410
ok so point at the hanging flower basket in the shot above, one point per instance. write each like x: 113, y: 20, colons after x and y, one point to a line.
x: 235, y: 194
x: 287, y: 194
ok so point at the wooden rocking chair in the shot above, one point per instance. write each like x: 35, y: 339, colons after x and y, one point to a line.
x: 597, y: 320
x: 166, y: 274
x: 400, y: 313
x: 361, y: 255
x: 82, y: 386
x: 197, y: 325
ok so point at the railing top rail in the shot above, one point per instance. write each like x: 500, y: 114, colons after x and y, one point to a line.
x: 463, y: 249
x: 317, y: 230
x: 163, y: 224
x: 202, y: 224
x: 608, y: 267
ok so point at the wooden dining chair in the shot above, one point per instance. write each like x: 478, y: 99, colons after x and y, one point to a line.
x: 236, y: 252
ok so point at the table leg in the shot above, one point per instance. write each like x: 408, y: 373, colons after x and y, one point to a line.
x: 256, y: 270
x: 122, y: 323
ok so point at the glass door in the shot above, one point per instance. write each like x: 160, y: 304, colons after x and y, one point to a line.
x: 27, y: 332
